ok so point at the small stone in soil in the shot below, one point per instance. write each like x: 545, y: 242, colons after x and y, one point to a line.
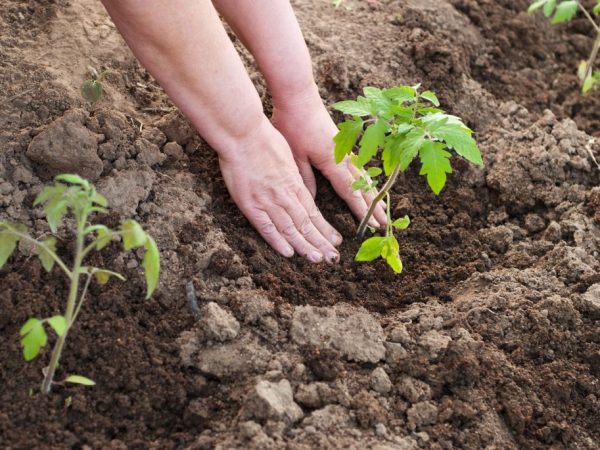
x: 591, y: 301
x: 352, y: 331
x: 414, y: 390
x: 422, y: 414
x: 380, y: 381
x: 217, y: 323
x: 272, y: 401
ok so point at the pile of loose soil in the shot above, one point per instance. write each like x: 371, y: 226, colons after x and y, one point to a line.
x: 489, y: 339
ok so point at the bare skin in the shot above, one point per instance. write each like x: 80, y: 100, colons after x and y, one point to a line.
x: 266, y: 165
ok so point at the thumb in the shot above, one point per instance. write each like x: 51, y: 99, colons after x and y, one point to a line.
x: 308, y: 176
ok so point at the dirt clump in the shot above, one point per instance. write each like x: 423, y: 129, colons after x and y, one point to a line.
x: 487, y: 340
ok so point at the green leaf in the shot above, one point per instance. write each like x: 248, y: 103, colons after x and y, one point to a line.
x: 401, y: 150
x: 78, y: 379
x: 429, y: 110
x: 564, y: 11
x: 402, y: 113
x: 394, y: 262
x: 372, y: 139
x: 374, y: 171
x: 58, y: 324
x: 151, y: 265
x: 50, y: 192
x: 435, y: 164
x: 391, y: 253
x: 346, y: 137
x: 401, y: 94
x: 457, y: 136
x: 73, y: 179
x: 34, y: 338
x: 403, y: 129
x: 402, y: 223
x: 379, y: 102
x: 133, y: 234
x: 359, y: 184
x: 370, y: 249
x: 98, y: 210
x: 410, y: 146
x: 354, y: 108
x: 99, y: 199
x: 55, y: 210
x: 549, y: 7
x: 8, y: 243
x: 103, y: 237
x: 29, y: 325
x: 91, y: 90
x: 582, y: 70
x: 103, y: 275
x: 536, y: 5
x: 45, y: 256
x: 588, y: 84
x: 428, y: 95
x: 596, y: 9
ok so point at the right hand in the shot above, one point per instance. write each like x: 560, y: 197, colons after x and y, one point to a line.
x: 264, y: 181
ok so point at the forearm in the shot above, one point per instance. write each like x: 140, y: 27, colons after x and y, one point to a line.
x: 269, y: 29
x: 184, y: 46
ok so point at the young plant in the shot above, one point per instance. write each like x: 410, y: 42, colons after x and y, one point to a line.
x: 563, y: 11
x: 92, y: 89
x: 74, y: 194
x: 404, y: 124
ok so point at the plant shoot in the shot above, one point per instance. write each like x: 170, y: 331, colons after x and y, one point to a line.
x: 72, y: 194
x: 563, y: 11
x: 394, y: 127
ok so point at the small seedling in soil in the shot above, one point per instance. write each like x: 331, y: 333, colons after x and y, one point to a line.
x: 92, y: 89
x: 563, y: 11
x: 404, y: 124
x: 73, y: 194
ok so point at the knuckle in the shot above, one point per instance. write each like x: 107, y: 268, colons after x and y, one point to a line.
x: 290, y: 231
x: 266, y: 228
x: 306, y: 227
x: 314, y: 213
x: 356, y: 195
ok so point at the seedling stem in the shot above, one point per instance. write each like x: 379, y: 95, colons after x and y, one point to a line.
x: 73, y: 193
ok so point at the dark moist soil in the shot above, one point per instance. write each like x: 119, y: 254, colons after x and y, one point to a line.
x: 143, y: 396
x: 440, y: 248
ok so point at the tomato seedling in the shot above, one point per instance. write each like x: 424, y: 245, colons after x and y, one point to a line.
x: 563, y: 11
x: 92, y: 89
x: 403, y: 123
x: 73, y: 193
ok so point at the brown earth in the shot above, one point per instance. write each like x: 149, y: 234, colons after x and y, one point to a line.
x: 489, y: 339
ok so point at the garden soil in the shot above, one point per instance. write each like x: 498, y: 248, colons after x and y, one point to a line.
x: 489, y: 339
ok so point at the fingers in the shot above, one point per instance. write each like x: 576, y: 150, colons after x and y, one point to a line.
x: 341, y: 179
x: 291, y: 227
x: 316, y: 229
x: 308, y: 176
x: 290, y: 231
x: 324, y: 227
x: 308, y: 226
x: 267, y: 229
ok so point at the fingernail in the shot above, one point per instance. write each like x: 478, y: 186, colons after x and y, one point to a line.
x: 333, y: 258
x: 315, y: 256
x: 337, y: 238
x: 288, y: 252
x: 373, y: 223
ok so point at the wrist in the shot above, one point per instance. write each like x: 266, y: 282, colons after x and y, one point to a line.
x: 297, y: 96
x: 243, y: 142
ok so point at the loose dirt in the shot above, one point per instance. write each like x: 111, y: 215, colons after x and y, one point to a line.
x: 489, y: 339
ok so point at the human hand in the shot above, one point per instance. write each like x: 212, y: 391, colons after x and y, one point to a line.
x: 264, y: 181
x: 309, y: 130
